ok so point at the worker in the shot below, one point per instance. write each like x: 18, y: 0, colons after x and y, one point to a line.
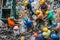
x: 11, y: 22
x: 40, y: 17
x: 46, y: 34
x: 28, y: 6
x: 50, y: 17
x: 38, y: 36
x: 28, y: 25
x: 43, y: 6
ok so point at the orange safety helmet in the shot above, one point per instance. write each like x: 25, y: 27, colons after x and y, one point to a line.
x: 35, y: 34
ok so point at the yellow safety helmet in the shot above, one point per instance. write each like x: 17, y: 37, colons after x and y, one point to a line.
x: 45, y: 29
x: 37, y: 12
x: 25, y: 3
x: 42, y: 1
x: 47, y: 12
x: 22, y: 37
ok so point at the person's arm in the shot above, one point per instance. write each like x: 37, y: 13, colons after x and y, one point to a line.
x: 45, y: 17
x: 15, y: 20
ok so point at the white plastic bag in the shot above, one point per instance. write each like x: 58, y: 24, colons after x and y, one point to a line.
x: 1, y: 23
x: 34, y: 17
x: 16, y: 32
x: 35, y: 5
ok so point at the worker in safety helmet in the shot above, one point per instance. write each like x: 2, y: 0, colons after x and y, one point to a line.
x: 38, y: 36
x: 39, y: 14
x: 28, y: 24
x: 11, y: 22
x: 28, y: 6
x: 50, y: 16
x: 43, y: 6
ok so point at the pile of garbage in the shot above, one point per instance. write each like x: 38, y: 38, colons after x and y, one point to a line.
x: 35, y: 20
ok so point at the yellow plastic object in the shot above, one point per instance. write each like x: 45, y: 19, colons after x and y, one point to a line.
x: 47, y: 12
x: 45, y: 29
x: 22, y: 38
x: 25, y: 3
x: 46, y: 34
x: 37, y: 12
